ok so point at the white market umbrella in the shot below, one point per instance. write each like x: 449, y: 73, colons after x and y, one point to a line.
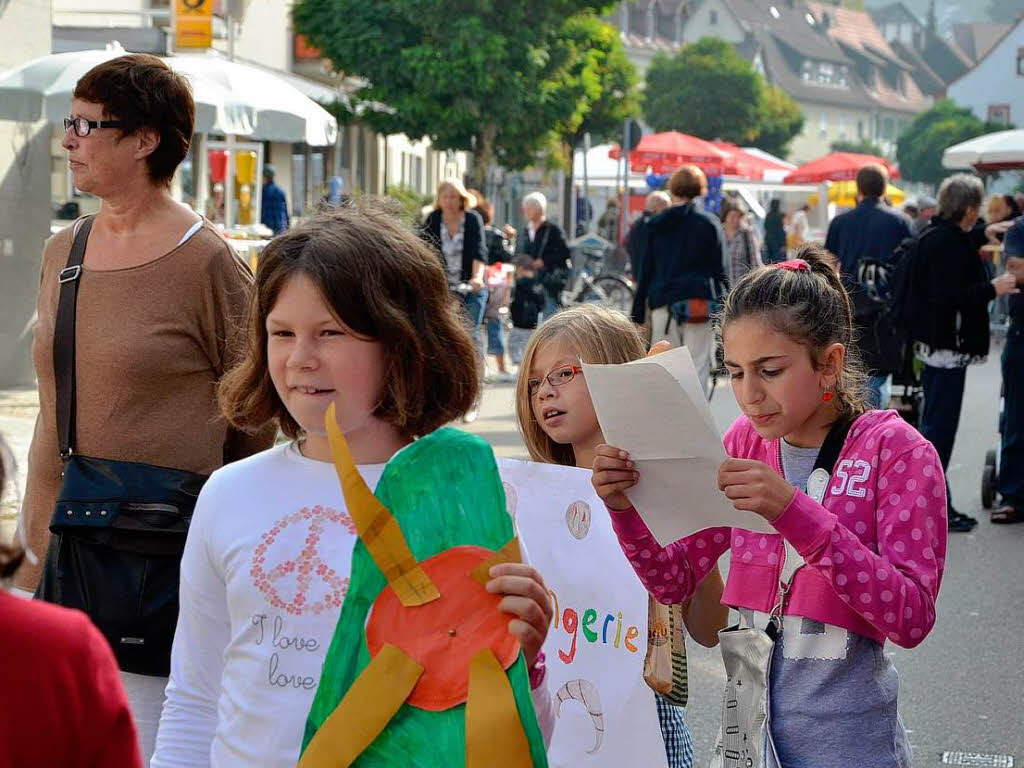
x: 231, y: 98
x: 41, y: 89
x: 276, y: 109
x: 1000, y: 151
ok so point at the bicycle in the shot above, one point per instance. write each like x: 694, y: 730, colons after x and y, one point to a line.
x: 591, y: 285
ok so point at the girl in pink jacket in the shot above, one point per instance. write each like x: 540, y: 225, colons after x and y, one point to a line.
x: 872, y: 548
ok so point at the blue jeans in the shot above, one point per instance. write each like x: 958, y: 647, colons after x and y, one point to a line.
x: 943, y: 397
x: 474, y: 305
x: 1011, y: 459
x: 879, y: 391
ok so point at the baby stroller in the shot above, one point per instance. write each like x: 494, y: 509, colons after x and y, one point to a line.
x: 990, y: 474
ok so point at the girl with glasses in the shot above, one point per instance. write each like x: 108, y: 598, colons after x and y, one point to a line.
x: 559, y: 426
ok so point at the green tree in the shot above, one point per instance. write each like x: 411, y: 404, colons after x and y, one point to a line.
x: 707, y: 90
x: 862, y: 147
x: 470, y: 75
x: 598, y: 84
x: 919, y: 150
x: 780, y: 119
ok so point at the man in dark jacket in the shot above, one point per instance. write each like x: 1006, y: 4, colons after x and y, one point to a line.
x: 682, y: 276
x: 952, y: 331
x: 544, y: 241
x: 636, y: 238
x: 273, y: 204
x: 872, y: 230
x: 1011, y: 457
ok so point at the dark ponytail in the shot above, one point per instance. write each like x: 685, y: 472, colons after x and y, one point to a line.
x: 811, y: 307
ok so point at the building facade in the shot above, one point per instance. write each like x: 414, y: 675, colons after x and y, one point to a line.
x: 994, y: 89
x: 850, y: 84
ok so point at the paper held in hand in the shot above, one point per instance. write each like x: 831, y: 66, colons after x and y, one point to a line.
x: 655, y: 409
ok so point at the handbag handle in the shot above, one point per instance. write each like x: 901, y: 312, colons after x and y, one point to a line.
x: 64, y: 340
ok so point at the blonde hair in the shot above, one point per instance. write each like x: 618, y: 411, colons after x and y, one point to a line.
x: 596, y: 335
x: 468, y: 201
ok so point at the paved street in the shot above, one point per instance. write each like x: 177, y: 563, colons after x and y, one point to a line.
x: 961, y: 689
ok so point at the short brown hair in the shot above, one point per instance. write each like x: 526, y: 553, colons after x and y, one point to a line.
x: 385, y: 284
x: 688, y: 182
x: 143, y: 92
x: 872, y: 179
x: 597, y: 335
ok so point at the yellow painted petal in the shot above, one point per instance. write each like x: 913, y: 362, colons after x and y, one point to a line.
x: 376, y: 526
x: 371, y: 702
x: 494, y: 732
x: 507, y: 554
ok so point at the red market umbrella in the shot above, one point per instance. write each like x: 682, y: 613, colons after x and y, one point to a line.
x: 838, y: 166
x: 747, y: 165
x: 665, y: 152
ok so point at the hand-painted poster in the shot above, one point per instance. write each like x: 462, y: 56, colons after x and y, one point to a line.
x: 598, y: 638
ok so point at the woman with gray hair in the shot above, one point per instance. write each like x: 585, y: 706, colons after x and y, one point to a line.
x: 952, y: 329
x: 544, y: 242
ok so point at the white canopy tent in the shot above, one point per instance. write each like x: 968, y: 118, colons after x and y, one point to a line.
x: 1000, y: 151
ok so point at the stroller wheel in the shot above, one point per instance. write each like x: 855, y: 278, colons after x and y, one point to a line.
x: 988, y: 480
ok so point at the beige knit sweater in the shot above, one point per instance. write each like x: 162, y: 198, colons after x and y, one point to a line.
x: 151, y: 343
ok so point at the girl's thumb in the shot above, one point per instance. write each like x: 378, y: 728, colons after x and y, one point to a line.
x: 662, y: 346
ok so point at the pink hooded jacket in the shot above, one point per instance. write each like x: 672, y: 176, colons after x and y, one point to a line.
x: 874, y: 550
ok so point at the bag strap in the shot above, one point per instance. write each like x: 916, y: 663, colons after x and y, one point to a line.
x: 828, y: 455
x: 543, y: 243
x: 833, y: 445
x: 64, y: 339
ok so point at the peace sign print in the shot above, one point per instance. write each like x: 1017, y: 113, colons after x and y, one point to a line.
x: 304, y: 584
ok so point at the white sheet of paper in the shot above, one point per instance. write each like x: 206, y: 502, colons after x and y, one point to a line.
x: 595, y: 648
x: 655, y: 409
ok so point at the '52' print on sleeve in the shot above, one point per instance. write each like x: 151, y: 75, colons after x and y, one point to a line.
x: 852, y: 476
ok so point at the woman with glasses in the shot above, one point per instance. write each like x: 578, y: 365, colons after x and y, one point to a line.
x: 160, y: 297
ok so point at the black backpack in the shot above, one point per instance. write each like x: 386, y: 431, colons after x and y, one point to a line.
x: 886, y: 298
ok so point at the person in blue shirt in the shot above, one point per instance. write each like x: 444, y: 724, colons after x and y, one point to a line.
x: 274, y: 207
x: 872, y: 230
x: 1011, y: 459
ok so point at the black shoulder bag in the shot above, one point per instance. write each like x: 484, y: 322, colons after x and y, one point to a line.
x: 119, y: 527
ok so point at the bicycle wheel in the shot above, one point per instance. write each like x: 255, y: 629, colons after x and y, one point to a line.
x: 612, y: 291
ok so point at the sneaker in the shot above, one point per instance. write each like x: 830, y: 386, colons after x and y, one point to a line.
x: 471, y: 415
x: 959, y: 523
x: 504, y: 377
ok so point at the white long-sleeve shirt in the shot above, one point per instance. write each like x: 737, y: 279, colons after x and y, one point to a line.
x: 263, y: 576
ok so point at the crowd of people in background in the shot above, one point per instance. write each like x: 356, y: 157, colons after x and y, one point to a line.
x: 394, y: 328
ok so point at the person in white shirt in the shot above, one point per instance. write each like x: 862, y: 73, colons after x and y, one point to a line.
x: 353, y: 309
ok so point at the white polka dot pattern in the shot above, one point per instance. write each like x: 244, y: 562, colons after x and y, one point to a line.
x: 883, y: 552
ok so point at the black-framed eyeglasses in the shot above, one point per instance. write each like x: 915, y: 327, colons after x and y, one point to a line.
x: 84, y: 126
x: 563, y: 374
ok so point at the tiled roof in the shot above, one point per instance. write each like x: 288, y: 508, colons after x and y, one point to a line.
x: 945, y: 58
x: 978, y: 39
x: 897, y: 12
x: 791, y: 27
x: 926, y: 78
x: 853, y: 28
x: 780, y: 73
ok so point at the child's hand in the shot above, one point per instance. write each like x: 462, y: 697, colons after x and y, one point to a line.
x: 526, y: 598
x: 613, y: 473
x: 662, y: 346
x: 755, y: 487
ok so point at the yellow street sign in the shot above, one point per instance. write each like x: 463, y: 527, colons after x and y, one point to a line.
x: 193, y: 23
